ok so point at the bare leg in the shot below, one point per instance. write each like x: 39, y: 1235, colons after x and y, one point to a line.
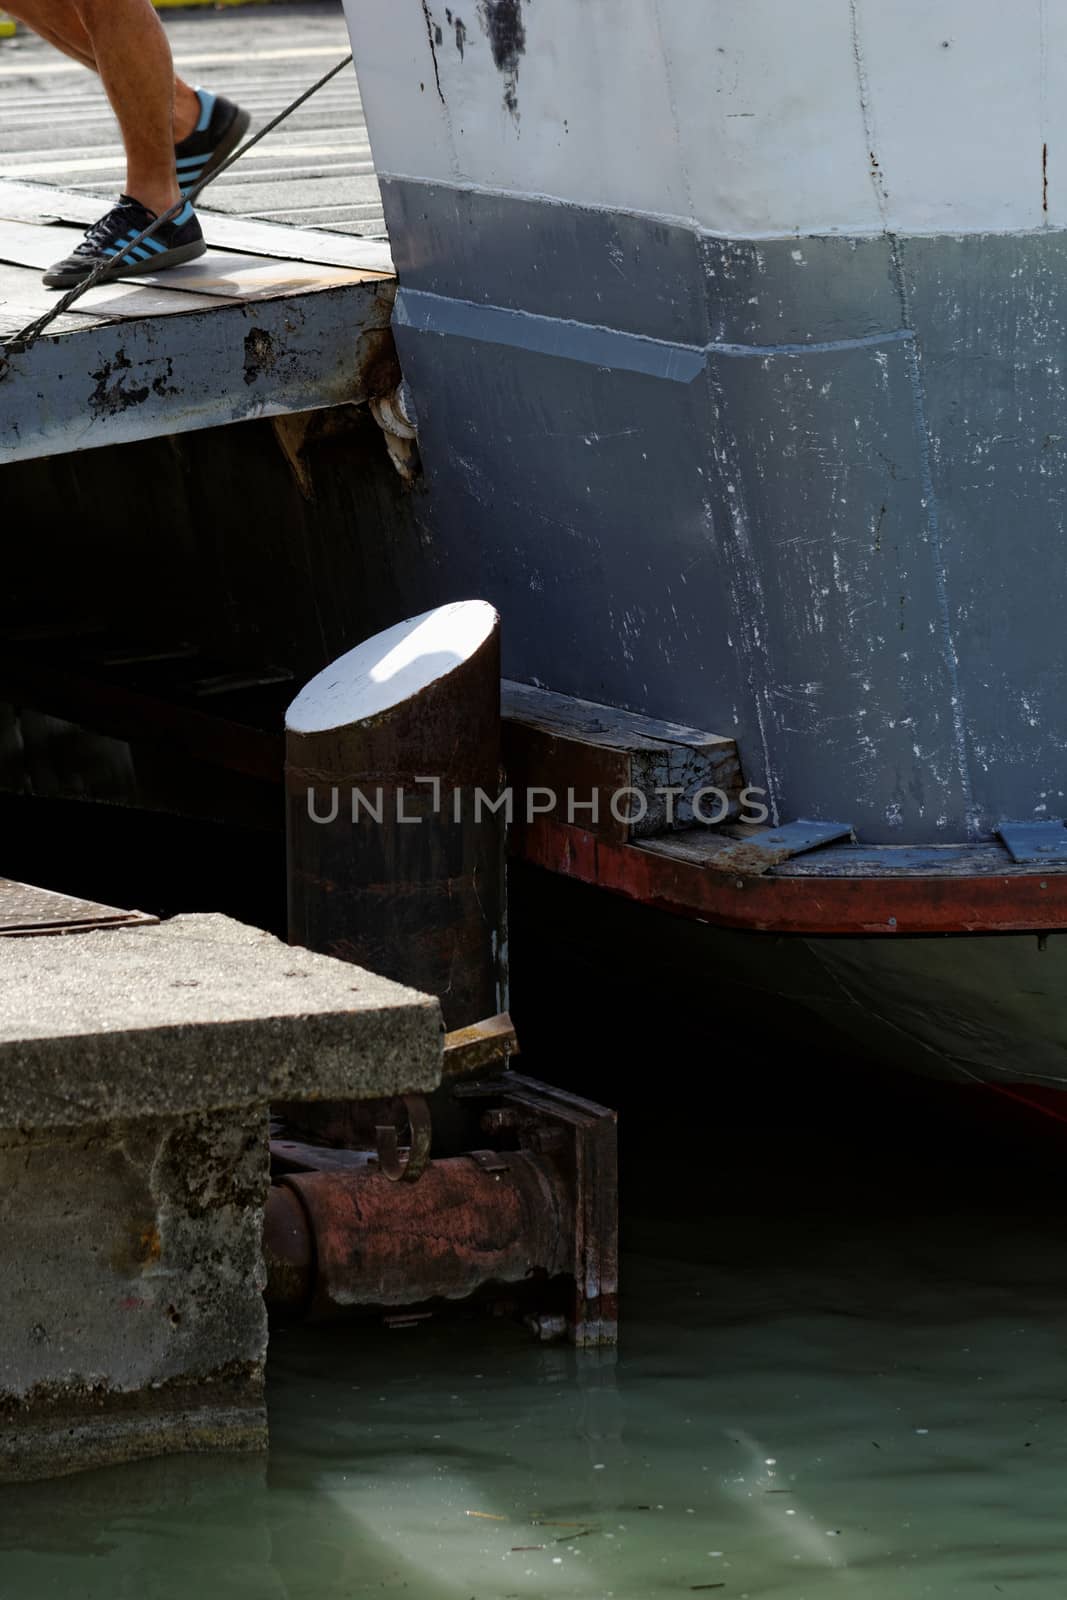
x: 133, y: 59
x: 59, y: 23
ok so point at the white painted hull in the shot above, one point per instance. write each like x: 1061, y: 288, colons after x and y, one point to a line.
x: 744, y: 118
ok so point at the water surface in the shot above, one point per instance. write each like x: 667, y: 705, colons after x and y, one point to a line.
x: 801, y: 1407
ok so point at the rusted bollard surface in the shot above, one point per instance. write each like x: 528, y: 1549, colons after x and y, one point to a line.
x: 392, y: 769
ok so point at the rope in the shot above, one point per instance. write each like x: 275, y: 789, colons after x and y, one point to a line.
x: 22, y: 341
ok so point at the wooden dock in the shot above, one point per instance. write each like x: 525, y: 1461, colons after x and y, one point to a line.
x: 272, y: 320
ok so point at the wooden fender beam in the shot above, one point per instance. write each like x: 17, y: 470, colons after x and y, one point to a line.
x: 889, y: 901
x: 805, y: 878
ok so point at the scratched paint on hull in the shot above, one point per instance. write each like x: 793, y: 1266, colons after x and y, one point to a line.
x: 736, y: 356
x: 796, y: 538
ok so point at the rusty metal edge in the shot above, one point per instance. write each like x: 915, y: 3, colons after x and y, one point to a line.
x: 1026, y: 903
x: 129, y: 919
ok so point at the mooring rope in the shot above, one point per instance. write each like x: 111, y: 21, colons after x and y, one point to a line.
x: 22, y: 341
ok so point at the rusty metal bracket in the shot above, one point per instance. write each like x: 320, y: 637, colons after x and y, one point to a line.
x: 580, y: 1138
x: 410, y: 1167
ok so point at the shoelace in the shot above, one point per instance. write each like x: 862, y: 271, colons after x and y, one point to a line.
x: 117, y: 222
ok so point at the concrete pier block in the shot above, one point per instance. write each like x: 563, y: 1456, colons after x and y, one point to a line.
x: 136, y: 1069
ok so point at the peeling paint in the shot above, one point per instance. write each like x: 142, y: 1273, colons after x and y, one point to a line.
x: 260, y: 354
x: 505, y: 29
x: 113, y: 394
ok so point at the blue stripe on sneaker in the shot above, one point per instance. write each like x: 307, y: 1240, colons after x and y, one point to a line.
x: 207, y: 106
x: 190, y: 161
x: 153, y: 244
x: 184, y: 215
x: 137, y: 254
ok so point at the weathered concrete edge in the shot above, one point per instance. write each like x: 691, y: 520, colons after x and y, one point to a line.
x: 57, y: 1447
x: 394, y: 1050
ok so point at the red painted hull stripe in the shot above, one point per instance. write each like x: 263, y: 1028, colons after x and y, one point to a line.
x: 813, y: 906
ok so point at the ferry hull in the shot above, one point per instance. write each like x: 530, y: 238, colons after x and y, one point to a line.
x: 735, y: 337
x: 989, y: 1009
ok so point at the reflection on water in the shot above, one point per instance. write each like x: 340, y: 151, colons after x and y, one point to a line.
x: 801, y: 1408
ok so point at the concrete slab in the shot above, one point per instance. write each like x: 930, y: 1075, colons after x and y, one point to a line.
x: 136, y: 1069
x: 197, y: 1014
x: 132, y: 1321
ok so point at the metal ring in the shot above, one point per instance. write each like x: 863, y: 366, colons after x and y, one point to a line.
x: 410, y: 1167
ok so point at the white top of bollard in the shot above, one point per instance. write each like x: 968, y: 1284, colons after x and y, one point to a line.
x: 392, y: 667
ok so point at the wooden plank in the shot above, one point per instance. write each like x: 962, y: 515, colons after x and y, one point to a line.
x: 136, y: 297
x: 700, y: 847
x: 33, y: 202
x: 36, y: 245
x: 903, y: 860
x: 1016, y: 900
x: 609, y: 770
x: 220, y: 275
x: 597, y: 724
x: 1035, y: 842
x: 29, y: 202
x: 296, y: 244
x: 750, y: 851
x: 484, y: 1044
x: 23, y: 297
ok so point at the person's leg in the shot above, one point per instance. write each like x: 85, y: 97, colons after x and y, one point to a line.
x: 56, y: 25
x: 176, y: 138
x: 59, y: 23
x: 133, y: 58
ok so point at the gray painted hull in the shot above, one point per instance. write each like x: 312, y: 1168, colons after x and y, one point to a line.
x: 735, y: 333
x: 810, y: 492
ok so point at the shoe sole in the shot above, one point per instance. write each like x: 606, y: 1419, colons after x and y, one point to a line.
x: 131, y: 269
x: 225, y: 147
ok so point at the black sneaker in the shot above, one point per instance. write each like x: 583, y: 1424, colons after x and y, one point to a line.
x: 176, y: 241
x: 220, y: 130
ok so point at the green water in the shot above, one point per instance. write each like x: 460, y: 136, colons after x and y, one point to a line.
x: 800, y: 1407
